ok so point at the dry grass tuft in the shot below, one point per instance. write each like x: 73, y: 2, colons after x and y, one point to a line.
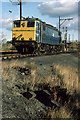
x: 70, y: 77
x: 15, y: 64
x: 61, y: 113
x: 56, y: 75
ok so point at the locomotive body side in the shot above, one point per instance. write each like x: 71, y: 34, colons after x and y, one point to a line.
x: 50, y: 35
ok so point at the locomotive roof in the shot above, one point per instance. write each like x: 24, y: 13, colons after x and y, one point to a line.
x: 33, y: 19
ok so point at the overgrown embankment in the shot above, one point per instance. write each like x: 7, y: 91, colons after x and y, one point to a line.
x: 19, y: 77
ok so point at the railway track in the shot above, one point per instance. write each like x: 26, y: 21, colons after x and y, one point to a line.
x: 15, y: 55
x: 6, y: 56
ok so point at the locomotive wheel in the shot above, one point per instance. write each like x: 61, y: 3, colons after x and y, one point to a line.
x: 24, y: 50
x: 30, y: 49
x: 19, y: 49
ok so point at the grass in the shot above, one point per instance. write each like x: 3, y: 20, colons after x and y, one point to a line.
x: 70, y: 77
x: 61, y: 113
x: 32, y: 77
x: 6, y: 47
x: 56, y: 75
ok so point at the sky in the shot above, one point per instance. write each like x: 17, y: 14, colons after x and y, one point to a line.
x: 46, y: 10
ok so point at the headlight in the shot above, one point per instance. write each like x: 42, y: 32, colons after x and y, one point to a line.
x: 14, y: 38
x: 22, y: 38
x: 30, y: 39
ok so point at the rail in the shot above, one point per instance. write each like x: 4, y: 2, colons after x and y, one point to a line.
x: 15, y: 55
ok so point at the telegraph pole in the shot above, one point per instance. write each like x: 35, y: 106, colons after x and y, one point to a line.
x: 69, y: 38
x: 20, y: 9
x: 63, y: 34
x: 60, y: 23
x: 63, y: 20
x: 19, y: 3
x: 66, y: 38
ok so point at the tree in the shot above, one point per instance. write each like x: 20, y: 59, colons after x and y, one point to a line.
x: 3, y: 39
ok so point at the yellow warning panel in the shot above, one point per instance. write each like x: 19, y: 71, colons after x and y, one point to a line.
x: 23, y: 30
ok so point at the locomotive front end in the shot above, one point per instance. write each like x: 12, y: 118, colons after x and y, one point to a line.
x: 23, y: 35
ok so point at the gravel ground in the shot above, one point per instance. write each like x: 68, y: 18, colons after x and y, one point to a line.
x: 61, y: 59
x: 15, y: 105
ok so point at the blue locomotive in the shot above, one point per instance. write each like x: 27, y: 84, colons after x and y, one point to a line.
x: 32, y: 34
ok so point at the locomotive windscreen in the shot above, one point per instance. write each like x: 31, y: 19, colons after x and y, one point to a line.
x: 30, y: 24
x: 17, y: 24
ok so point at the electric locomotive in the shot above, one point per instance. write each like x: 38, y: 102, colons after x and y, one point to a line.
x: 33, y: 35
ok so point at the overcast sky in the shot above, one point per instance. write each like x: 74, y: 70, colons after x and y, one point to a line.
x: 46, y: 10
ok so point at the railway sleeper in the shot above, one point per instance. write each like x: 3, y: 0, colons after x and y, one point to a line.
x: 51, y: 99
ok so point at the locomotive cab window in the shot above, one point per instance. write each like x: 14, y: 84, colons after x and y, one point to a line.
x: 30, y: 24
x: 17, y: 24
